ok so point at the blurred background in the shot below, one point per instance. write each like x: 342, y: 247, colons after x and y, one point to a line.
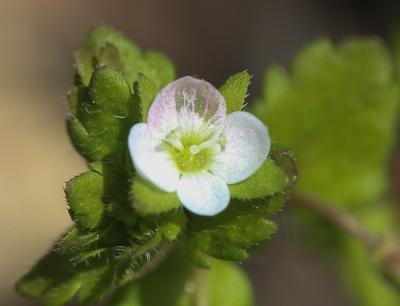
x: 210, y: 39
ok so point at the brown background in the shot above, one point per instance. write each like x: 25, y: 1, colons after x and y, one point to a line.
x: 211, y: 39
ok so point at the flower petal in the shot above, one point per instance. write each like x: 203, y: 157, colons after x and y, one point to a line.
x: 150, y: 161
x: 191, y: 104
x: 203, y: 193
x: 247, y: 146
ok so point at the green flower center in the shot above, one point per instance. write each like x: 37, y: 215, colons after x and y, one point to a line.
x: 191, y: 153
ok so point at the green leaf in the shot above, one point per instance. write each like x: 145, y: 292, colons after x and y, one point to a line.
x: 128, y: 59
x: 268, y: 180
x: 148, y: 199
x: 158, y: 68
x: 99, y: 37
x: 146, y: 91
x: 77, y: 240
x: 50, y: 270
x: 84, y: 64
x: 109, y: 56
x: 57, y: 281
x: 63, y: 292
x: 229, y: 286
x: 84, y: 143
x: 231, y: 233
x: 276, y: 83
x: 234, y: 90
x: 102, y: 123
x: 336, y: 110
x: 84, y: 196
x: 95, y: 284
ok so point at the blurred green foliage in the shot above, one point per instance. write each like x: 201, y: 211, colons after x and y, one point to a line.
x: 336, y: 109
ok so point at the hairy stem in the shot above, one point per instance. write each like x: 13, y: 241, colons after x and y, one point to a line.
x: 340, y: 218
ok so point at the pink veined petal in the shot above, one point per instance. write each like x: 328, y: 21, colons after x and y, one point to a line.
x: 195, y: 106
x: 203, y: 193
x: 150, y: 161
x: 247, y: 146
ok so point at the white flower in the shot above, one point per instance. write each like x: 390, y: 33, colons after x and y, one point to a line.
x: 190, y: 146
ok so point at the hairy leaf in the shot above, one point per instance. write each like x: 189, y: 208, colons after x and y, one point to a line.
x: 84, y: 196
x: 231, y: 233
x: 235, y: 91
x: 148, y: 199
x: 268, y: 180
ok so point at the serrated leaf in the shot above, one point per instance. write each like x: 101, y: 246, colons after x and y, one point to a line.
x: 148, y: 199
x: 231, y: 233
x: 336, y: 110
x: 268, y: 180
x: 84, y: 143
x: 103, y: 117
x: 84, y: 196
x: 234, y: 90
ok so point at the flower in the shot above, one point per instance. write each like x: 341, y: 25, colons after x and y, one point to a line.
x: 190, y: 146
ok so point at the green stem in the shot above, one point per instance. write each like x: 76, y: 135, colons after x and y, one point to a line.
x: 340, y: 218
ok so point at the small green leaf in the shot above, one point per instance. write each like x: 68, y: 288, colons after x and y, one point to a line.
x: 84, y: 196
x: 157, y: 67
x: 50, y: 270
x: 129, y: 53
x: 172, y: 224
x: 61, y: 293
x: 109, y: 56
x: 235, y: 91
x: 148, y: 199
x: 84, y: 143
x: 231, y: 233
x: 76, y: 240
x: 95, y: 284
x: 84, y: 63
x: 146, y: 91
x: 103, y: 116
x: 268, y: 180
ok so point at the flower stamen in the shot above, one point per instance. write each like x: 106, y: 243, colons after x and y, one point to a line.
x: 173, y: 139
